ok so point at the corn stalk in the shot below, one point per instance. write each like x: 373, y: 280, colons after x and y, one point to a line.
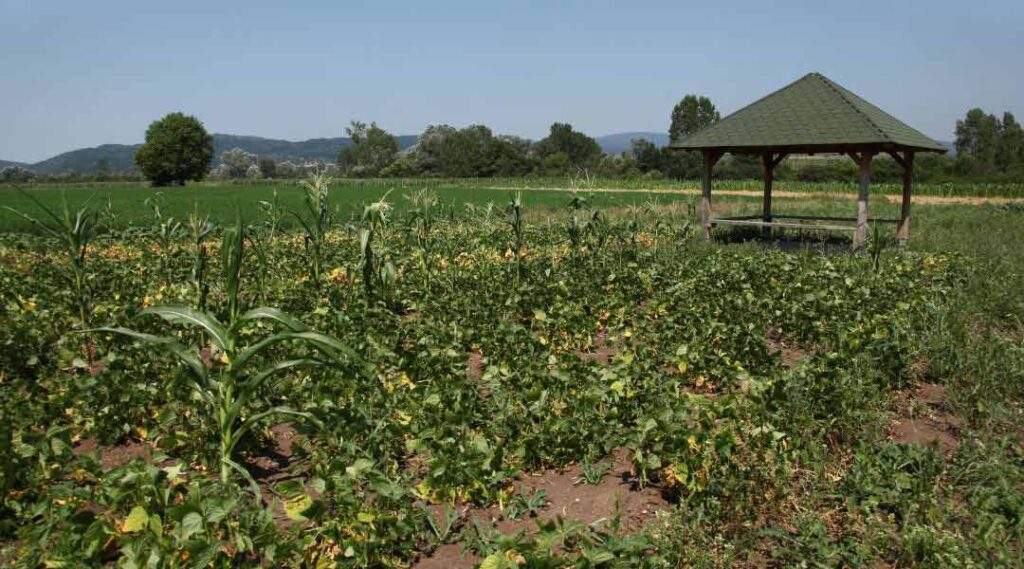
x: 378, y: 272
x: 74, y: 230
x: 316, y: 222
x: 228, y: 375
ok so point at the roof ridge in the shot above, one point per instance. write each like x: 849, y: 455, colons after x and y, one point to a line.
x: 834, y: 87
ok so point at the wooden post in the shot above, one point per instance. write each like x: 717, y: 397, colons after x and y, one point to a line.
x: 903, y: 231
x: 705, y: 194
x: 860, y: 237
x: 766, y: 206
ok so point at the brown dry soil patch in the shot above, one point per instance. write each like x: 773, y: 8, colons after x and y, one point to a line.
x: 923, y: 418
x: 893, y: 199
x: 475, y: 366
x: 114, y: 456
x: 271, y: 465
x: 601, y: 352
x: 788, y: 351
x: 617, y: 495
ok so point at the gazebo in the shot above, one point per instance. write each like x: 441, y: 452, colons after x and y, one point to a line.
x: 813, y: 115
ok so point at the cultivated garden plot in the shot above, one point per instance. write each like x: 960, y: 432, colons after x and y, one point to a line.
x: 438, y: 385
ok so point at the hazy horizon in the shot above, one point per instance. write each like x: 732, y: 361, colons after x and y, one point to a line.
x: 80, y: 75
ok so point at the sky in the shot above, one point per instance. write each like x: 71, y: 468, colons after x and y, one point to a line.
x: 76, y: 74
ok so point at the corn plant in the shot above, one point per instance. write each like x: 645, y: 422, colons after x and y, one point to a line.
x: 877, y: 246
x: 316, y: 222
x: 165, y: 232
x: 262, y: 240
x: 74, y: 230
x: 199, y: 229
x: 228, y: 375
x: 379, y: 274
x: 516, y: 222
x: 578, y: 224
x: 422, y: 216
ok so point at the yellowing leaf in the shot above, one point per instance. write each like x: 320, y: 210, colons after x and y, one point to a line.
x: 493, y: 561
x: 137, y: 520
x: 293, y: 507
x: 365, y: 517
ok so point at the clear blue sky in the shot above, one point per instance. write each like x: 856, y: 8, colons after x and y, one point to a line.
x: 79, y: 73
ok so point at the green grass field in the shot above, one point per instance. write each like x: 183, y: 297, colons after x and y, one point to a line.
x: 221, y: 200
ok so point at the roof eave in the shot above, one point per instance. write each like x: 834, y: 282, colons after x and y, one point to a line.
x: 810, y: 148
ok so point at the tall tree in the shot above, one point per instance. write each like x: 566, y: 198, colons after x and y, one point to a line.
x: 646, y: 154
x: 236, y: 162
x: 1010, y: 147
x: 977, y: 135
x: 372, y: 150
x: 691, y: 114
x: 579, y: 149
x: 177, y: 149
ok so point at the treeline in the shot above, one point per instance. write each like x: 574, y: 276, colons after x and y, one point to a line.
x: 988, y: 149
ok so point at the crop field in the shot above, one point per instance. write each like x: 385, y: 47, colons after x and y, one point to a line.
x: 392, y: 374
x: 127, y: 202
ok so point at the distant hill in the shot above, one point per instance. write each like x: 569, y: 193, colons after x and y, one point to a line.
x: 121, y: 157
x: 620, y: 142
x: 6, y: 163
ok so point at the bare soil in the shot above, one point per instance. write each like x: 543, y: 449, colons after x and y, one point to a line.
x: 475, y: 366
x: 114, y: 456
x: 894, y: 199
x: 601, y: 353
x: 615, y: 497
x: 787, y: 350
x: 923, y: 418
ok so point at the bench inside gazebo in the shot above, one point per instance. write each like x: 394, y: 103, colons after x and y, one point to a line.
x: 813, y: 115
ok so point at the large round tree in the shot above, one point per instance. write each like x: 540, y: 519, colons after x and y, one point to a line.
x: 177, y: 149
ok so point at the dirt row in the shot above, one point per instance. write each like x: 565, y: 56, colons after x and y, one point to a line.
x: 918, y: 199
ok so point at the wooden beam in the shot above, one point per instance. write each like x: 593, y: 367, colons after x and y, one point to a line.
x: 778, y: 159
x: 768, y: 167
x: 903, y: 230
x: 755, y: 223
x: 854, y: 156
x: 710, y: 157
x: 896, y: 157
x: 830, y: 218
x: 861, y: 235
x: 852, y: 220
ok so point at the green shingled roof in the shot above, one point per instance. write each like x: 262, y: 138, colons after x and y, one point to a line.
x: 811, y: 113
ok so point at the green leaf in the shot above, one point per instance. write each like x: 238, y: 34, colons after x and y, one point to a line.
x: 190, y: 524
x: 208, y: 323
x: 156, y: 525
x: 137, y: 520
x: 358, y: 467
x: 267, y: 313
